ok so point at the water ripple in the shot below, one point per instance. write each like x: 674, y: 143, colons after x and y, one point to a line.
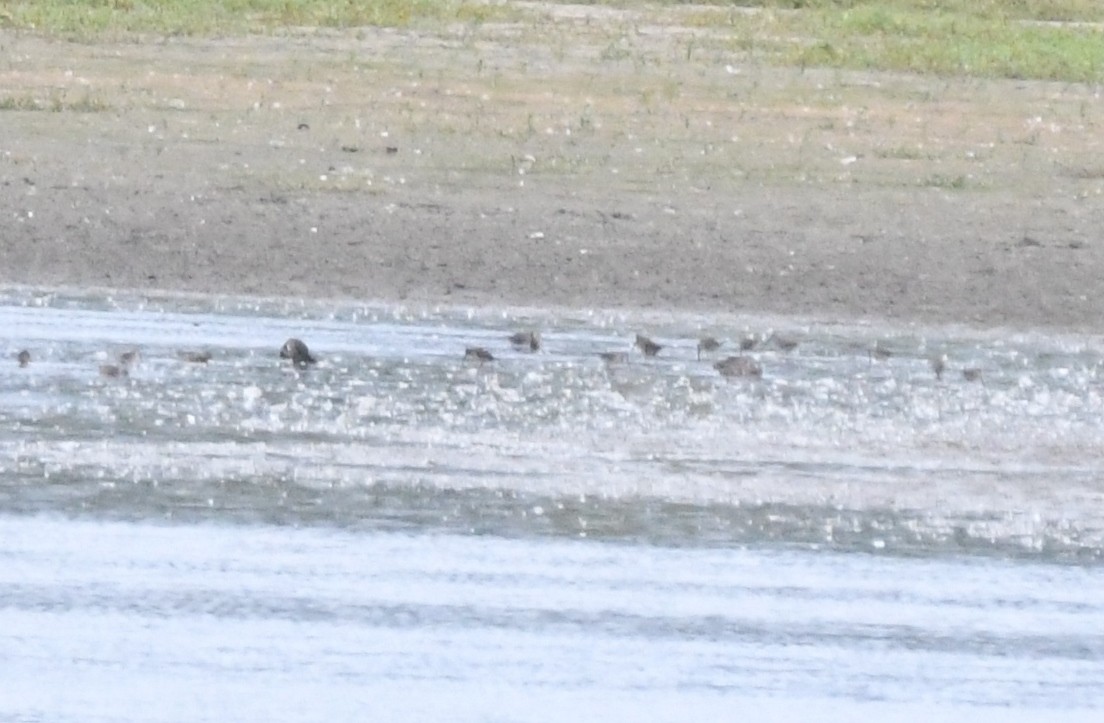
x: 394, y: 427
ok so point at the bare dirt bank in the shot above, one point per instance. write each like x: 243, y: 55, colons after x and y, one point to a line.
x: 586, y: 166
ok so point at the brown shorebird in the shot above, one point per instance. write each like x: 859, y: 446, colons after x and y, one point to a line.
x: 297, y: 351
x: 879, y: 352
x: 127, y: 360
x: 526, y: 339
x: 938, y: 365
x: 748, y: 342
x: 708, y: 344
x: 971, y: 374
x: 24, y: 358
x: 195, y: 357
x: 613, y: 357
x: 739, y: 366
x: 114, y: 371
x: 646, y: 345
x: 785, y: 343
x: 479, y: 354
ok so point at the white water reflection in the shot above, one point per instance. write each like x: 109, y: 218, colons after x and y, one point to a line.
x: 125, y: 621
x: 401, y: 534
x: 830, y: 448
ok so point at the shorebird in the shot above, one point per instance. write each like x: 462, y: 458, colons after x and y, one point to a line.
x: 297, y: 351
x: 879, y: 352
x: 523, y: 339
x: 938, y: 365
x: 479, y: 354
x: 613, y: 357
x: 739, y: 366
x: 646, y: 345
x: 785, y: 343
x: 24, y: 358
x: 971, y: 374
x: 121, y: 370
x: 195, y: 357
x: 708, y: 344
x: 748, y: 342
x: 114, y: 371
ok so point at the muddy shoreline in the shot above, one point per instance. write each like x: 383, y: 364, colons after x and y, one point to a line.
x: 468, y: 166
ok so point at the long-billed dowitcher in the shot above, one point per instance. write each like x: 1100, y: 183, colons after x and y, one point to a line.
x: 297, y: 351
x: 195, y: 357
x: 24, y: 358
x: 739, y: 366
x: 127, y: 360
x: 526, y: 339
x: 971, y: 374
x: 708, y: 344
x: 479, y: 354
x: 783, y: 342
x: 938, y: 365
x: 114, y: 371
x: 646, y: 345
x: 879, y: 352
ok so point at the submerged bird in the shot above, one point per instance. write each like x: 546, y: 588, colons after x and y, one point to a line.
x: 478, y: 353
x: 879, y: 352
x: 739, y: 366
x: 646, y: 345
x: 195, y: 357
x: 121, y: 370
x: 938, y: 365
x: 785, y: 343
x: 523, y: 339
x: 24, y: 358
x: 297, y: 351
x: 114, y: 371
x: 708, y: 344
x: 971, y: 374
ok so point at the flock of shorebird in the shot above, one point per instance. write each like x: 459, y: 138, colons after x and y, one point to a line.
x: 733, y: 366
x: 740, y: 365
x: 126, y: 361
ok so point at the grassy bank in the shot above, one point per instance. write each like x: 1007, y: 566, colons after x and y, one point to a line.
x: 92, y: 19
x: 1051, y: 40
x: 1039, y: 39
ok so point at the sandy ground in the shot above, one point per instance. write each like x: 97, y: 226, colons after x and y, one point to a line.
x: 588, y: 161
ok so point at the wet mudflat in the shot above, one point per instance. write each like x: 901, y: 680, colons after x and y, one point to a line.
x: 399, y: 529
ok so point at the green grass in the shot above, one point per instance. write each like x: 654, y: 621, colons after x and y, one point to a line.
x: 950, y: 183
x: 904, y: 153
x: 1040, y: 10
x: 54, y: 104
x: 982, y: 38
x: 93, y: 19
x: 1039, y: 39
x: 950, y: 40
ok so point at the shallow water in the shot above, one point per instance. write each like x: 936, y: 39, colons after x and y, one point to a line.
x: 402, y: 531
